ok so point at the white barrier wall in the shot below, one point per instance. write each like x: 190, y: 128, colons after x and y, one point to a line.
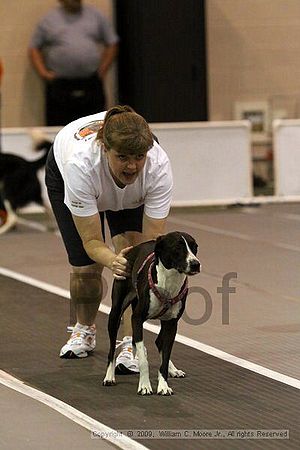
x: 19, y: 142
x: 211, y: 161
x: 286, y: 148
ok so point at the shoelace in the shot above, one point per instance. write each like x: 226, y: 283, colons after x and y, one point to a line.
x: 118, y: 344
x: 70, y: 329
x: 125, y: 352
x: 78, y: 335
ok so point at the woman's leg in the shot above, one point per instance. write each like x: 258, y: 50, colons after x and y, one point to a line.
x: 85, y: 279
x: 86, y: 292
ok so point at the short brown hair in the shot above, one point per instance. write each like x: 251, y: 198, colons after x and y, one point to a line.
x: 125, y: 131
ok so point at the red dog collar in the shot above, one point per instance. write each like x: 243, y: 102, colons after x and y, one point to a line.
x: 161, y: 298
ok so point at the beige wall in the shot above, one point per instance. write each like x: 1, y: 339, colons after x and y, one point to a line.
x: 21, y: 89
x: 253, y: 54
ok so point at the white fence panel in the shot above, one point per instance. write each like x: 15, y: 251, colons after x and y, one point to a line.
x: 211, y: 161
x: 286, y: 144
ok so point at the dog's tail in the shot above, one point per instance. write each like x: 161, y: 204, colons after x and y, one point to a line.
x: 40, y: 141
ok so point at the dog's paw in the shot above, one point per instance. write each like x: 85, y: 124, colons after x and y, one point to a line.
x: 109, y: 379
x: 145, y: 389
x: 108, y: 382
x: 174, y: 372
x: 165, y: 391
x: 163, y: 388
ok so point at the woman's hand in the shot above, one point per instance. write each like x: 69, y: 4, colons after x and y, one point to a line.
x: 119, y: 266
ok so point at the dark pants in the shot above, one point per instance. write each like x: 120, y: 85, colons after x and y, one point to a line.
x: 69, y: 99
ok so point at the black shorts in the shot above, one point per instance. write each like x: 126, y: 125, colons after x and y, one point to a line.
x: 118, y: 221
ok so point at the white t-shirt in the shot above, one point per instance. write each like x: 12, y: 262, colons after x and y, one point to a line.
x: 89, y: 186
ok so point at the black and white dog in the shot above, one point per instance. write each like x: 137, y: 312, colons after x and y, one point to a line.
x: 157, y: 289
x: 19, y: 181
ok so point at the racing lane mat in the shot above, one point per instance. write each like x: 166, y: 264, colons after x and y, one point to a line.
x: 215, y: 395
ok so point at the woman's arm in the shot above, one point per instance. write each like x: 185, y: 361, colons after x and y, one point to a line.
x: 89, y: 229
x: 152, y: 228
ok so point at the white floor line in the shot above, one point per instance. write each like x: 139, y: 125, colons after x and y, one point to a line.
x: 209, y: 229
x: 32, y: 224
x: 283, y: 216
x: 106, y: 309
x: 288, y: 216
x: 38, y: 226
x: 122, y: 442
x: 42, y: 285
x: 197, y: 226
x: 285, y: 379
x: 233, y: 234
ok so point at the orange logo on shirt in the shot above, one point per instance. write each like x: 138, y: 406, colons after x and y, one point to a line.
x: 88, y: 130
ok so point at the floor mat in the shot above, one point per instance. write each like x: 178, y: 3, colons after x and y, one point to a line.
x: 215, y: 395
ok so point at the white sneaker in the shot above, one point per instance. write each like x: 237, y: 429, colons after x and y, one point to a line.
x: 81, y: 342
x: 126, y: 363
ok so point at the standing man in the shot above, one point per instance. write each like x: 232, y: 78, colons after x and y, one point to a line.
x: 65, y: 51
x: 107, y: 164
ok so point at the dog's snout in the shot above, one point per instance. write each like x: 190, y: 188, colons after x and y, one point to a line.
x: 195, y: 266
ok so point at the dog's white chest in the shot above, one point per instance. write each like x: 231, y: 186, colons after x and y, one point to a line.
x: 169, y: 284
x: 156, y: 307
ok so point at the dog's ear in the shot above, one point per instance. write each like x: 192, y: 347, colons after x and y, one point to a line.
x: 191, y: 242
x: 158, y: 246
x: 159, y: 238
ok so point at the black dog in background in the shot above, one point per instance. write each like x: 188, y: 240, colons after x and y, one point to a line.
x: 19, y: 182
